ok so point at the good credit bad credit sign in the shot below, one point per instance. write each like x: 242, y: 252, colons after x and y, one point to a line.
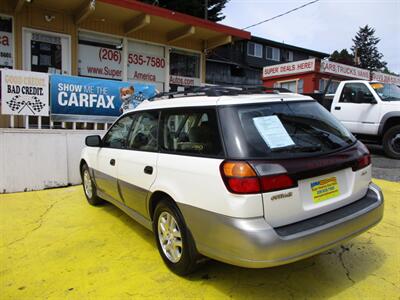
x: 300, y: 66
x: 24, y: 93
x: 90, y: 99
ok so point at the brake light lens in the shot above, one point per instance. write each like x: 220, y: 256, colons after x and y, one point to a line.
x: 276, y: 182
x: 362, y: 162
x: 240, y: 178
x: 244, y: 185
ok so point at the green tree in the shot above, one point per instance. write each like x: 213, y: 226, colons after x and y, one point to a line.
x: 365, y: 48
x: 194, y: 8
x: 343, y: 57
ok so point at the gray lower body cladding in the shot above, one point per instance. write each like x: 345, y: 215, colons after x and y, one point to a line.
x: 254, y: 243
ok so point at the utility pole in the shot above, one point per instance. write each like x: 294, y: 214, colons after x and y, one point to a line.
x: 357, y: 61
x: 206, y: 9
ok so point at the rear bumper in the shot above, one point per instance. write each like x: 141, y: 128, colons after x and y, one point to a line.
x: 253, y: 243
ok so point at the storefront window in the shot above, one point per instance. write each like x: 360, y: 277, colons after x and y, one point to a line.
x: 99, y: 56
x: 290, y: 85
x: 332, y: 86
x: 6, y: 42
x: 147, y: 64
x: 184, y: 69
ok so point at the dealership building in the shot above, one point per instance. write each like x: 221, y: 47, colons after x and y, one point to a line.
x: 123, y: 40
x: 313, y: 75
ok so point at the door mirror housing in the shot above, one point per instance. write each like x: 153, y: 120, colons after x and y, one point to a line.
x: 93, y: 141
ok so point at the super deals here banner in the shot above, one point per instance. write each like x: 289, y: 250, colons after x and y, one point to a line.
x: 24, y: 93
x: 98, y: 100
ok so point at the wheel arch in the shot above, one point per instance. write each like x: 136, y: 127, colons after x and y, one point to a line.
x: 389, y: 120
x: 81, y: 163
x: 155, y: 198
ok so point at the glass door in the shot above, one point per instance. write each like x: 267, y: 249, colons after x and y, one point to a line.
x: 45, y: 52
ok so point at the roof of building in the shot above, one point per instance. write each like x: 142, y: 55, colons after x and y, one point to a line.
x: 179, y: 17
x: 138, y: 20
x: 287, y: 46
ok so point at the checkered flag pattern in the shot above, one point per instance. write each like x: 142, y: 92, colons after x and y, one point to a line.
x: 14, y: 104
x: 36, y: 105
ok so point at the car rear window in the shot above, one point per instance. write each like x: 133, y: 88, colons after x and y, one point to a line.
x: 281, y: 130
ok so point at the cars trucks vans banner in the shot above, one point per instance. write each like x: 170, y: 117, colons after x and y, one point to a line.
x: 344, y: 70
x: 24, y: 93
x: 85, y: 99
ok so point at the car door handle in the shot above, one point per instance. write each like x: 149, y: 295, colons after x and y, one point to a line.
x: 112, y: 162
x: 148, y: 170
x: 338, y: 108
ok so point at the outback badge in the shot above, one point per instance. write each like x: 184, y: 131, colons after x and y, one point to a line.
x: 281, y: 196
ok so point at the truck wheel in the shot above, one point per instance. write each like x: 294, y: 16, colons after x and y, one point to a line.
x: 174, y: 241
x: 391, y: 142
x: 89, y: 188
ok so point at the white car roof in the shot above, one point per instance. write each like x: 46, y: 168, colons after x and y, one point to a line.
x: 198, y: 101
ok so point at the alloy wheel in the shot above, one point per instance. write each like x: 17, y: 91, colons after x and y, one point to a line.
x: 170, y: 238
x: 87, y: 184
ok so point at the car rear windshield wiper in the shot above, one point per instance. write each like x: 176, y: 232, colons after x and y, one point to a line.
x: 297, y: 148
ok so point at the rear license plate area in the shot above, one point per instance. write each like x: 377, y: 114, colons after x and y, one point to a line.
x: 324, y: 189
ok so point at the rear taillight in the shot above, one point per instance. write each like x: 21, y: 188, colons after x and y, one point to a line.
x: 362, y: 162
x: 276, y: 182
x: 240, y: 178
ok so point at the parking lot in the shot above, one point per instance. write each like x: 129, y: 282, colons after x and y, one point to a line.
x: 54, y: 245
x: 382, y: 166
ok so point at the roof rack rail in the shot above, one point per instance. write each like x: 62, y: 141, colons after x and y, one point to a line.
x: 221, y: 91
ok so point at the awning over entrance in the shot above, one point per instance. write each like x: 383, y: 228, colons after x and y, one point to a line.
x: 143, y: 21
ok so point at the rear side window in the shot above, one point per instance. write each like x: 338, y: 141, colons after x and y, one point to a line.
x: 281, y: 130
x: 191, y: 132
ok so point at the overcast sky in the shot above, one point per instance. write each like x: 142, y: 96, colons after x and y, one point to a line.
x: 326, y: 25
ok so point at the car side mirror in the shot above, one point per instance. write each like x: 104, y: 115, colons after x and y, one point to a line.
x: 365, y: 98
x: 93, y: 141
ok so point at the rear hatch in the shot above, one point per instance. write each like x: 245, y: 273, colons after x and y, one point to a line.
x: 300, y: 139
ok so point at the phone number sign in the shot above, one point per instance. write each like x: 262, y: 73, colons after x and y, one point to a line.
x: 142, y: 67
x: 107, y: 63
x: 100, y: 62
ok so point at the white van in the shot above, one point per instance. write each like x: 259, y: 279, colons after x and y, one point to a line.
x: 250, y: 178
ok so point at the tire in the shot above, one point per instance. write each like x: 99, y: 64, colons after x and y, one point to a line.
x: 181, y: 255
x: 89, y: 187
x: 391, y: 142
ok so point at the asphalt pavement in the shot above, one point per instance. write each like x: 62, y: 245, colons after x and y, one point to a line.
x: 382, y: 166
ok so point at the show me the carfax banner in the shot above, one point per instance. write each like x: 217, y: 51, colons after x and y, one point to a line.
x: 24, y: 93
x: 85, y: 99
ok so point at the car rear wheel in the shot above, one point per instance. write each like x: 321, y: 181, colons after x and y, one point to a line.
x: 89, y: 188
x: 174, y: 241
x: 391, y: 142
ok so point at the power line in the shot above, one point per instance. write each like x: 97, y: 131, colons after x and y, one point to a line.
x: 285, y: 13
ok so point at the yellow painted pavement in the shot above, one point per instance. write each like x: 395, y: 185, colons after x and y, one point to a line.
x: 55, y: 246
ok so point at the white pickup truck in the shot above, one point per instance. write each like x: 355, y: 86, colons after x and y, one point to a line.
x: 370, y: 110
